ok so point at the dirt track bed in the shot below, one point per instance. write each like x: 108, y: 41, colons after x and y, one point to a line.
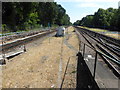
x: 39, y: 67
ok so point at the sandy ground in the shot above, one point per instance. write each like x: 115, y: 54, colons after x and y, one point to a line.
x: 44, y: 64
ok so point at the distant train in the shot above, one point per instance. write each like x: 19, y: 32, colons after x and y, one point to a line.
x: 60, y: 31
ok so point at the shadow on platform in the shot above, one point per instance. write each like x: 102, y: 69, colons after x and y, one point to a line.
x: 85, y: 80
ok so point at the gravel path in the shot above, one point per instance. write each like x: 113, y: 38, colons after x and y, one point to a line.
x: 39, y: 66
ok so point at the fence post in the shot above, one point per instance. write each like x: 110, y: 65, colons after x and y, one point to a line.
x: 83, y: 51
x: 95, y: 65
x: 24, y: 48
x: 79, y: 46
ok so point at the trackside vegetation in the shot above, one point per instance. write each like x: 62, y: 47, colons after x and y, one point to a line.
x: 29, y: 15
x: 104, y: 19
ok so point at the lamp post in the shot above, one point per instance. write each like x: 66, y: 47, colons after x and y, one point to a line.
x: 49, y: 31
x: 2, y: 61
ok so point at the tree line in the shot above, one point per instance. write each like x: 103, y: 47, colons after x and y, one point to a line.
x: 105, y: 19
x: 28, y: 15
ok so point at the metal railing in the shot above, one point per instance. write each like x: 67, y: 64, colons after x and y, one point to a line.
x: 116, y: 72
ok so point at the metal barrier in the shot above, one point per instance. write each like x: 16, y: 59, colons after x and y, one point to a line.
x: 96, y: 70
x: 117, y: 73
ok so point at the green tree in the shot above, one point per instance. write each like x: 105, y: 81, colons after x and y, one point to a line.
x: 8, y: 15
x: 77, y: 22
x: 107, y: 19
x: 115, y: 21
x: 60, y: 13
x: 22, y: 15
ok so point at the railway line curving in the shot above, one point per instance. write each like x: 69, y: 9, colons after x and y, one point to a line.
x: 109, y: 50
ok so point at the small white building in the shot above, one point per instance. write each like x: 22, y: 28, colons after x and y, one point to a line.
x: 60, y: 31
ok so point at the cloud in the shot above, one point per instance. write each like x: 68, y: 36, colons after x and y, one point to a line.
x: 97, y: 0
x: 89, y: 5
x: 96, y: 5
x: 86, y: 0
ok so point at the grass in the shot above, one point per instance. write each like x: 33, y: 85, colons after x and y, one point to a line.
x: 106, y: 32
x: 117, y: 36
x: 95, y: 29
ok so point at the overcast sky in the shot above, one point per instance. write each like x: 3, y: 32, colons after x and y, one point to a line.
x: 77, y: 9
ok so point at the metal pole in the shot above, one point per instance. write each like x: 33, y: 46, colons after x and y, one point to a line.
x: 95, y: 65
x: 49, y: 30
x: 3, y: 52
x: 79, y: 46
x: 24, y: 48
x: 83, y: 51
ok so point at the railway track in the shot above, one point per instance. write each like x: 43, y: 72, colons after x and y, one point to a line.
x: 24, y: 40
x: 112, y: 47
x: 10, y: 48
x: 16, y: 35
x: 28, y: 37
x: 108, y: 50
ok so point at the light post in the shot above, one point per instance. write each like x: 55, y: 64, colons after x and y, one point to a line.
x: 3, y: 61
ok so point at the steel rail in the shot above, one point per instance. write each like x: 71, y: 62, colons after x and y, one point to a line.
x: 105, y: 57
x: 105, y: 47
